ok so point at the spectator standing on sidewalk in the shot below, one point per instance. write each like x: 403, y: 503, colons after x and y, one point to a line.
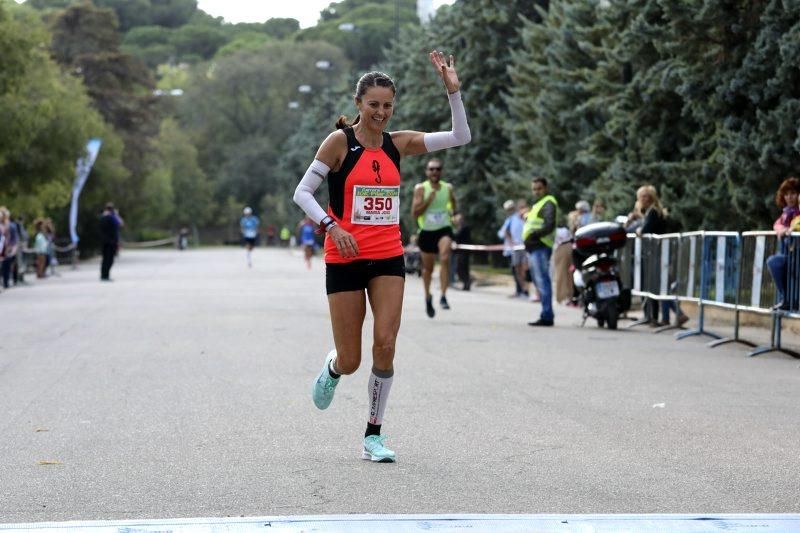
x: 786, y: 198
x: 579, y: 217
x: 653, y: 222
x: 40, y: 248
x: 511, y: 233
x: 562, y: 261
x: 11, y: 244
x: 109, y: 237
x: 598, y: 213
x: 19, y: 272
x: 50, y: 233
x: 539, y: 237
x: 2, y: 244
x: 462, y: 235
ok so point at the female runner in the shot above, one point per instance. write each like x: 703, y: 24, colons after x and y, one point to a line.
x: 363, y: 252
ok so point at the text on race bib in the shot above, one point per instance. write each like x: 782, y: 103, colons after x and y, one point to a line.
x: 377, y: 206
x: 437, y: 219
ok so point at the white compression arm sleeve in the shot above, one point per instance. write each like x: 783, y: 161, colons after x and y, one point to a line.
x: 304, y: 193
x: 458, y: 136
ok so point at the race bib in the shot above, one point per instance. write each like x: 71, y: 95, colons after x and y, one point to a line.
x: 376, y: 206
x: 437, y: 219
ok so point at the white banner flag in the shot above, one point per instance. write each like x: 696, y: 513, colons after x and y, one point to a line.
x: 82, y: 170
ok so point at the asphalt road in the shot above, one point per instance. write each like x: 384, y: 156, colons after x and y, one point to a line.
x: 182, y: 389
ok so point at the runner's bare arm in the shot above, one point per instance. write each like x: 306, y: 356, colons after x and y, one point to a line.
x: 333, y: 149
x: 420, y: 203
x: 453, y: 199
x: 416, y: 142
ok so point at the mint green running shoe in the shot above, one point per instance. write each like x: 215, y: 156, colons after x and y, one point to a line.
x: 375, y: 451
x: 324, y: 385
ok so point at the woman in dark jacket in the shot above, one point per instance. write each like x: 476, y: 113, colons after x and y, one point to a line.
x: 654, y: 223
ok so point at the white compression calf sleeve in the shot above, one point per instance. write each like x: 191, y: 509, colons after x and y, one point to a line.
x: 304, y: 193
x: 460, y: 133
x: 380, y: 383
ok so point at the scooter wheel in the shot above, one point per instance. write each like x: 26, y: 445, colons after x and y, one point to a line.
x: 601, y: 322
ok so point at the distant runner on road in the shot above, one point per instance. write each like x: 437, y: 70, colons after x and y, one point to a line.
x: 433, y: 206
x: 249, y: 228
x: 306, y: 229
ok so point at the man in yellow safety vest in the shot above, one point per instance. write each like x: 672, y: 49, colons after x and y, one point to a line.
x: 539, y: 235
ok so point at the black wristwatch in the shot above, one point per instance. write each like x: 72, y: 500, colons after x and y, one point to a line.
x: 326, y: 223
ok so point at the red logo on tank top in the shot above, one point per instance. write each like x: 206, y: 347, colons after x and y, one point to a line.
x: 376, y: 168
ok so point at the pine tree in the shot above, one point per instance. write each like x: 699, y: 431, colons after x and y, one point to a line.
x: 481, y: 35
x: 555, y: 104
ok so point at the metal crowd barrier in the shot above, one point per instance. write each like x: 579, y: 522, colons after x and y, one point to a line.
x: 718, y: 265
x: 657, y: 261
x: 759, y: 247
x: 715, y: 269
x: 721, y: 269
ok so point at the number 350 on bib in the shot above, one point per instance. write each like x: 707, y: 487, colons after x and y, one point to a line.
x: 376, y: 206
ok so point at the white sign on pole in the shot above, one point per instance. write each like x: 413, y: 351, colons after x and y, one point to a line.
x: 720, y: 271
x: 82, y: 170
x: 664, y: 288
x: 692, y: 251
x: 758, y: 270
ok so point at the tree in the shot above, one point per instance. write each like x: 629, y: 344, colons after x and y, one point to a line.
x: 281, y: 28
x: 193, y: 43
x: 47, y: 116
x: 120, y: 86
x: 151, y: 44
x: 82, y: 30
x: 757, y: 108
x: 237, y: 109
x: 193, y: 201
x: 481, y: 35
x: 703, y: 81
x: 251, y: 40
x: 316, y: 120
x: 368, y: 26
x: 555, y: 102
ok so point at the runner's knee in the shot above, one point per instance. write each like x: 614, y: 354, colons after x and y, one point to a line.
x: 383, y: 352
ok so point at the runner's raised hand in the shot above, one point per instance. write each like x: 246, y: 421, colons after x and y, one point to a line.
x: 446, y: 68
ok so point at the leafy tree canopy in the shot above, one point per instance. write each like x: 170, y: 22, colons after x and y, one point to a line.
x: 238, y: 110
x: 362, y: 29
x: 47, y: 120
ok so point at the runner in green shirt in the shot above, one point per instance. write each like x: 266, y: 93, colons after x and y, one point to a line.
x: 433, y: 205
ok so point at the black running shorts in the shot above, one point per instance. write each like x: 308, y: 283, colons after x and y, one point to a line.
x: 356, y: 275
x: 428, y: 241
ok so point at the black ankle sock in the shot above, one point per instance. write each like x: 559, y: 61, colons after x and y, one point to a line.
x: 333, y: 374
x: 372, y: 429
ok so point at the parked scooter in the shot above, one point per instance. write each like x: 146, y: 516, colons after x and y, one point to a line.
x: 596, y: 276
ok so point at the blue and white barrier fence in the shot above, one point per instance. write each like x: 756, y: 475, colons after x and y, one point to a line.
x: 717, y: 269
x: 721, y: 269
